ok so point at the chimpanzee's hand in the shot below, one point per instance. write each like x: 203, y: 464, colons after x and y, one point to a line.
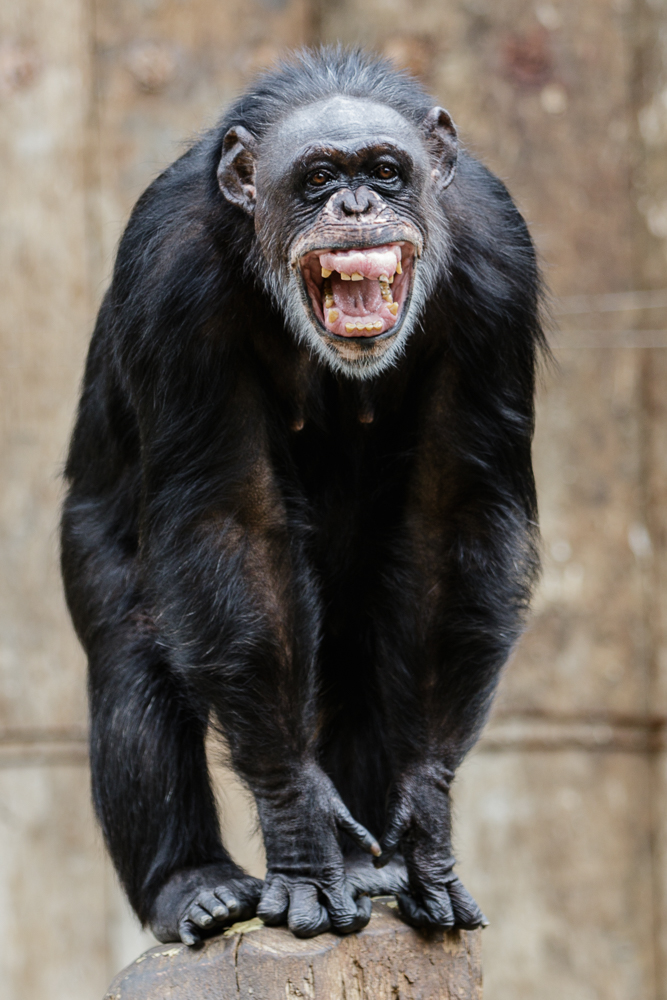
x: 419, y: 824
x: 305, y: 884
x: 199, y: 902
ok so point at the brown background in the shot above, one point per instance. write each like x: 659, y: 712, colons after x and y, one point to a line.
x: 561, y: 812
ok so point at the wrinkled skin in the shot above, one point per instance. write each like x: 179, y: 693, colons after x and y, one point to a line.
x: 305, y: 884
x: 320, y: 541
x: 195, y: 904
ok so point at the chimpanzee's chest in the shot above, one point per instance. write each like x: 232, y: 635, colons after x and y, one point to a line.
x: 349, y: 482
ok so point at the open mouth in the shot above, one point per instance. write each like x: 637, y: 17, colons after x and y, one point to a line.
x: 359, y: 292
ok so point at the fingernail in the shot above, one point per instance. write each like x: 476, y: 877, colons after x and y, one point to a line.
x: 376, y: 849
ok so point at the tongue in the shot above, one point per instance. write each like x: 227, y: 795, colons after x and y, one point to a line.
x: 356, y: 298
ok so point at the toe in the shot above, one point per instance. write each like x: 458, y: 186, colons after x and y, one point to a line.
x: 187, y: 932
x: 198, y: 915
x: 229, y: 899
x: 211, y: 902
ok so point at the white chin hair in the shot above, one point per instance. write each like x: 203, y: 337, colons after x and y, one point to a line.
x: 366, y: 364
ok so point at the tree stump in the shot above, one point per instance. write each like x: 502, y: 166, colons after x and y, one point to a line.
x: 386, y: 961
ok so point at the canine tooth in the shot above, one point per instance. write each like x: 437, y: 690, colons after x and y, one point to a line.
x: 356, y: 276
x: 399, y: 269
x: 350, y: 327
x: 393, y: 308
x: 345, y: 277
x: 326, y: 273
x: 378, y: 324
x: 333, y: 315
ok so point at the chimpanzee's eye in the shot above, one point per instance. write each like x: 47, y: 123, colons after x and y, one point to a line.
x: 385, y: 172
x: 319, y: 178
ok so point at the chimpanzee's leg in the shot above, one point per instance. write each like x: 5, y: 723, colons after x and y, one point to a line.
x: 149, y: 773
x: 153, y: 797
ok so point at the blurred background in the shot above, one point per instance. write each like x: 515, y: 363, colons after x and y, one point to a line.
x: 562, y: 809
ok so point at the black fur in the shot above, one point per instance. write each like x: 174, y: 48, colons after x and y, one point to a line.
x: 340, y: 599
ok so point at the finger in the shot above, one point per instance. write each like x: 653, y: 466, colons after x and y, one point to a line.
x: 187, y: 932
x: 347, y: 913
x: 439, y: 907
x: 213, y: 904
x: 391, y: 839
x: 467, y: 913
x: 274, y: 903
x: 435, y: 910
x: 364, y: 910
x: 411, y: 911
x: 229, y: 899
x: 200, y: 916
x: 359, y: 833
x: 307, y: 917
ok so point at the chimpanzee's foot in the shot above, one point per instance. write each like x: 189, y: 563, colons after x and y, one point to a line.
x: 199, y: 902
x: 446, y: 905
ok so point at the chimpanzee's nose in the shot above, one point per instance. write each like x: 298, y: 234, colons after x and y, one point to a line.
x: 357, y: 202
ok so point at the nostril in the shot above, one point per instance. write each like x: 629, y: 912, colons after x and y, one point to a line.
x: 356, y: 202
x: 350, y: 205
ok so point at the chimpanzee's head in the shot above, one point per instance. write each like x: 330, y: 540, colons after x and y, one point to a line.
x: 344, y: 192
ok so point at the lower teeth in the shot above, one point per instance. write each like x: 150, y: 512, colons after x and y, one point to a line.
x: 329, y: 302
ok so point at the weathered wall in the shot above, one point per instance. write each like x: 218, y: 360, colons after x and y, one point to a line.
x: 562, y: 818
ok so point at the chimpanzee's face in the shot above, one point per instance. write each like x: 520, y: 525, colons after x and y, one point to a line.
x: 344, y: 197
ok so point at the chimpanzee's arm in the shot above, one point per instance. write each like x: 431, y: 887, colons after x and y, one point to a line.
x: 465, y: 564
x: 238, y: 607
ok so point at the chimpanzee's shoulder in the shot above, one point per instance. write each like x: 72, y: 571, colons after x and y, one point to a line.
x: 478, y: 198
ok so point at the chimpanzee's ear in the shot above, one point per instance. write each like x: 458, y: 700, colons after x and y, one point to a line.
x: 236, y: 170
x: 442, y: 143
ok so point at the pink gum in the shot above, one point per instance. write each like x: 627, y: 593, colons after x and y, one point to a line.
x: 370, y: 263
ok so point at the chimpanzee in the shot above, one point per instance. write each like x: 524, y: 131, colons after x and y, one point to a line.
x: 301, y: 506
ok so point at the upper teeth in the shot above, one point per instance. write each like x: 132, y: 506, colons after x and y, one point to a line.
x: 355, y: 276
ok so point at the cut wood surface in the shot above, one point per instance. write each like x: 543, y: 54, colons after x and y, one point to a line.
x: 386, y: 961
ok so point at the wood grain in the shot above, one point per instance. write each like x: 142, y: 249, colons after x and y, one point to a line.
x: 386, y: 961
